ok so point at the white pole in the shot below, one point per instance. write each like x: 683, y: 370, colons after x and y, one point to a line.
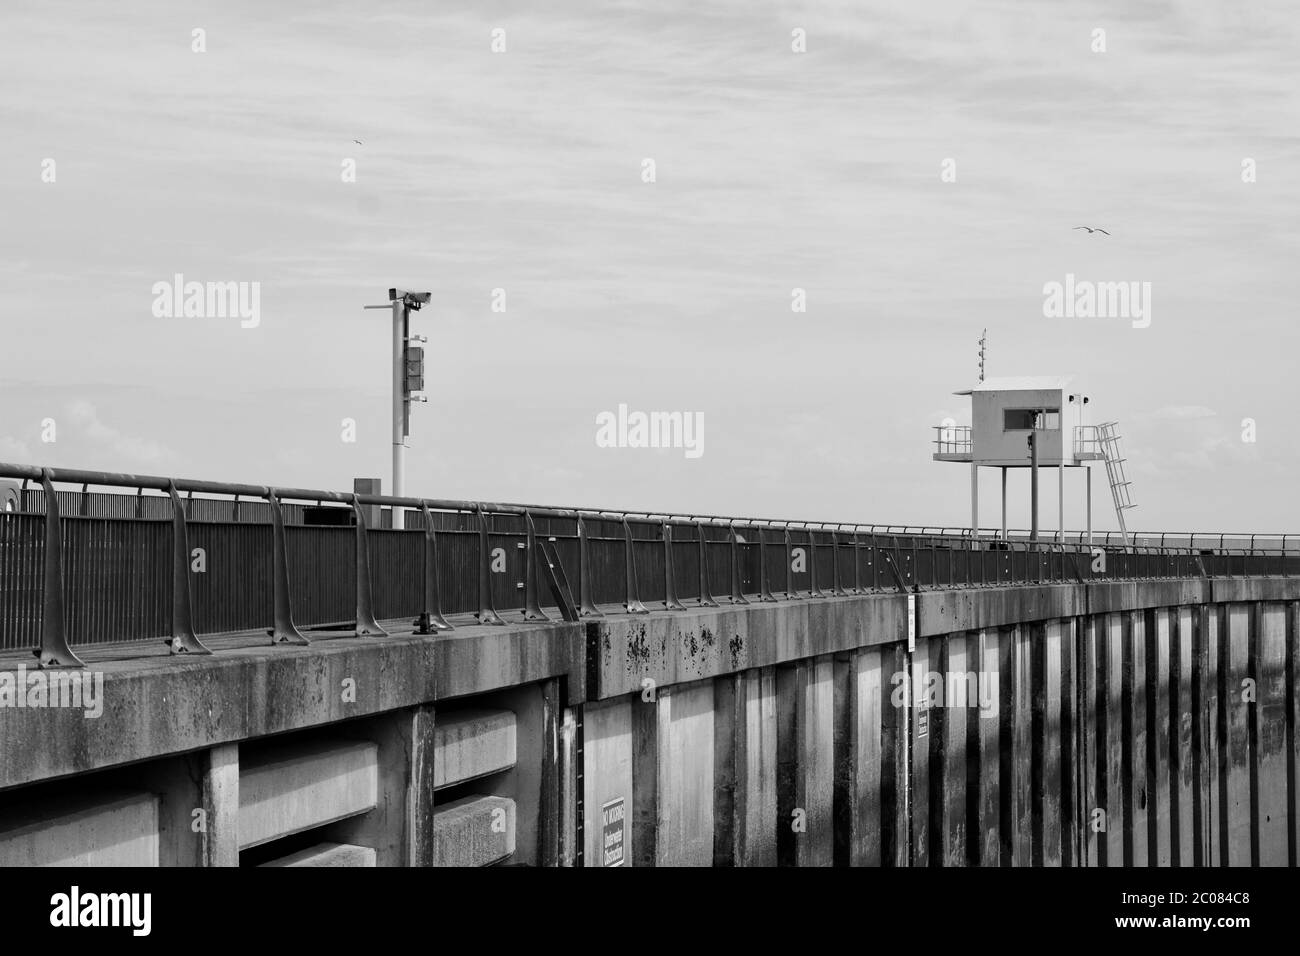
x: 974, y: 500
x: 1004, y: 502
x: 1060, y: 502
x: 399, y: 411
x: 1088, y: 471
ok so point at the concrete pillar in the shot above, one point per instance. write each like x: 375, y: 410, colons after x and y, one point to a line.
x: 1117, y: 816
x: 220, y: 795
x: 745, y: 802
x: 607, y: 783
x: 672, y: 770
x: 805, y: 757
x: 198, y: 806
x: 960, y: 706
x: 989, y: 665
x: 920, y: 745
x: 1018, y: 795
x: 870, y: 759
x: 1183, y: 718
x: 570, y: 802
x: 1091, y: 740
x: 1048, y: 782
x: 1293, y: 678
x: 1269, y: 739
x: 1237, y: 802
x: 1160, y: 832
x: 1137, y: 785
x: 1213, y: 729
x: 400, y: 826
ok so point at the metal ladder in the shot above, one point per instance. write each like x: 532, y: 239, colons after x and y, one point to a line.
x: 1119, y: 483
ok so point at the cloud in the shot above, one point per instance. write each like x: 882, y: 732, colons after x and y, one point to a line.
x: 86, y: 418
x: 13, y: 450
x: 1181, y: 413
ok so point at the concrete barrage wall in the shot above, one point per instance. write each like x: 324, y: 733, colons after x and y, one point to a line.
x: 1149, y: 722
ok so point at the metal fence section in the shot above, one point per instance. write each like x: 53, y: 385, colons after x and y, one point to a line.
x: 178, y: 567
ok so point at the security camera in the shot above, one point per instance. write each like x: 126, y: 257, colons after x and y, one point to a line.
x: 412, y: 300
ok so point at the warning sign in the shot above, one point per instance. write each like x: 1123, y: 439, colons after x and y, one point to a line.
x: 612, y: 830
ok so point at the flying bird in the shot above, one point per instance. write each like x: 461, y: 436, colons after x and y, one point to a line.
x: 358, y: 142
x: 1091, y: 230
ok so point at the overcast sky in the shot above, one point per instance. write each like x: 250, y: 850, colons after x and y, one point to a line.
x: 774, y: 169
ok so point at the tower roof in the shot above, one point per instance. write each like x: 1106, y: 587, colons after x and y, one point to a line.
x: 1020, y: 383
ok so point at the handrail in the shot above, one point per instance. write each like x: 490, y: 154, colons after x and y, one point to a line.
x: 191, y: 486
x: 913, y: 555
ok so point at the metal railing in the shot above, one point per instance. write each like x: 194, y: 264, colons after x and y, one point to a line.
x: 81, y: 579
x: 952, y: 439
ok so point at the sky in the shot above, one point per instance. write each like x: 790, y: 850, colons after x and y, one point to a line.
x: 774, y: 170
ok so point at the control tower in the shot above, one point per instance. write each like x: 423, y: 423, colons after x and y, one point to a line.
x: 1034, y: 422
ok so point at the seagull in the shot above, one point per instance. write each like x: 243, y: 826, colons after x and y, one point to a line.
x: 1091, y: 230
x: 358, y: 142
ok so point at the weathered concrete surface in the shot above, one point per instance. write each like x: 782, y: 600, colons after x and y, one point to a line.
x: 805, y: 775
x: 607, y: 777
x: 673, y: 754
x: 328, y: 854
x: 478, y: 659
x: 473, y: 743
x: 744, y: 767
x: 474, y: 831
x: 677, y: 647
x: 1124, y: 731
x: 158, y: 705
x: 308, y: 787
x: 108, y: 829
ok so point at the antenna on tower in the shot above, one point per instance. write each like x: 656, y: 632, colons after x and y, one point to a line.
x: 983, y: 341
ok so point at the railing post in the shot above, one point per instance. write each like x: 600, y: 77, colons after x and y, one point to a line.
x: 632, y: 603
x: 586, y: 606
x: 857, y: 564
x: 54, y: 650
x: 765, y: 595
x: 487, y: 613
x: 532, y: 607
x: 282, y: 630
x: 183, y: 639
x: 431, y: 620
x: 706, y: 597
x: 367, y: 626
x: 790, y: 593
x: 813, y: 590
x: 836, y: 588
x: 737, y: 592
x: 670, y: 578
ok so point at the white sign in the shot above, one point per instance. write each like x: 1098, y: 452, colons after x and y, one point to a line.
x: 612, y: 830
x: 911, y: 623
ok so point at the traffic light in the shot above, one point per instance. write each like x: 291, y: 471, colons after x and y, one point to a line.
x: 414, y: 369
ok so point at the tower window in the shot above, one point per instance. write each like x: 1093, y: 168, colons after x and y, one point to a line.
x: 1023, y: 419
